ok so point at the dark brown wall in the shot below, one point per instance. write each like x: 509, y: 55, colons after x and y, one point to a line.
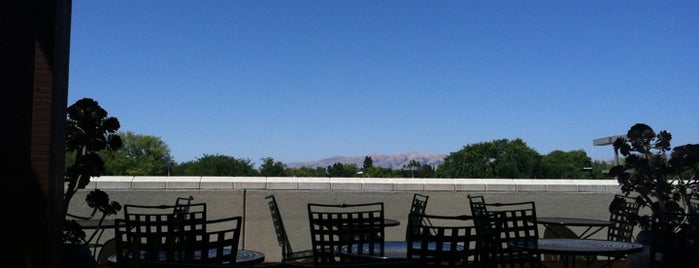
x: 34, y: 52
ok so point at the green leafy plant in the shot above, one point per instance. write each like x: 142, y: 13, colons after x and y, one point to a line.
x: 662, y: 183
x: 89, y: 130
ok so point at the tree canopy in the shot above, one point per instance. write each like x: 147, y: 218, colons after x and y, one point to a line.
x: 148, y: 155
x: 566, y: 165
x: 496, y: 159
x: 217, y: 165
x: 270, y: 168
x: 139, y: 155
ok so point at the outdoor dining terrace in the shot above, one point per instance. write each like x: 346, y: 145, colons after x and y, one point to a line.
x: 246, y: 197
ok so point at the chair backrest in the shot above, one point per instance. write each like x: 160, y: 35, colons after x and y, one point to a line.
x: 447, y: 241
x: 418, y: 207
x: 622, y: 209
x: 484, y: 223
x: 514, y: 221
x: 158, y: 232
x: 419, y: 204
x: 279, y: 228
x: 219, y: 245
x: 123, y: 246
x: 479, y: 210
x: 333, y: 226
x: 501, y: 223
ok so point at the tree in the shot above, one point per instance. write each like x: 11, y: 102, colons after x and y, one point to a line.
x: 566, y: 165
x: 382, y: 172
x: 307, y: 172
x: 368, y: 163
x: 269, y: 168
x: 415, y: 169
x: 410, y: 168
x: 600, y: 169
x: 496, y: 159
x: 342, y: 170
x: 217, y: 165
x: 139, y: 155
x: 425, y: 171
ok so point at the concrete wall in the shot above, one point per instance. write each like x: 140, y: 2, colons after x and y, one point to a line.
x: 232, y: 196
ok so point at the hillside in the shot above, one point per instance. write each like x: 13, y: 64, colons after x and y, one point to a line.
x: 394, y: 161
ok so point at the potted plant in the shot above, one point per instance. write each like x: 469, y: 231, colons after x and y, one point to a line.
x: 89, y: 130
x: 661, y: 184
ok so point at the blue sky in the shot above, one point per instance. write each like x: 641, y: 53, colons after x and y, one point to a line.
x: 305, y: 80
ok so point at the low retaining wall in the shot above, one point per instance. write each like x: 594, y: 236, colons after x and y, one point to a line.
x: 228, y: 196
x: 354, y: 184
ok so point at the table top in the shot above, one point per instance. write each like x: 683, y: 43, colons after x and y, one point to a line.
x: 393, y: 250
x: 573, y: 221
x: 243, y: 256
x: 565, y: 246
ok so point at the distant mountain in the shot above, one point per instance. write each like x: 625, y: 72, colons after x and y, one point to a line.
x: 393, y: 161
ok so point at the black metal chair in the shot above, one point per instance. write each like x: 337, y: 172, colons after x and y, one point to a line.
x: 333, y: 226
x: 288, y: 254
x: 157, y: 233
x: 447, y: 241
x: 484, y: 223
x: 418, y: 206
x: 622, y: 209
x: 501, y: 223
x: 218, y: 245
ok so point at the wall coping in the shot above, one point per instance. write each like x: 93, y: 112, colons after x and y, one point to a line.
x: 353, y: 184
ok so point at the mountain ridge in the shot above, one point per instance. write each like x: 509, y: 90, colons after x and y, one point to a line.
x: 392, y: 161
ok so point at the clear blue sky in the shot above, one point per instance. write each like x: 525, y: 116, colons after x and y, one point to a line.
x: 305, y: 80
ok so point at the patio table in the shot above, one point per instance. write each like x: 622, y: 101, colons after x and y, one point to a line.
x: 570, y: 248
x: 243, y: 257
x: 392, y: 251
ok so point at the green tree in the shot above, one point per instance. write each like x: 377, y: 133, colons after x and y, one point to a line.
x: 368, y: 163
x: 138, y: 156
x: 566, y: 165
x: 270, y: 168
x: 425, y: 171
x: 217, y: 165
x: 307, y: 172
x: 411, y: 168
x: 496, y: 159
x: 342, y: 170
x: 600, y: 169
x: 415, y: 169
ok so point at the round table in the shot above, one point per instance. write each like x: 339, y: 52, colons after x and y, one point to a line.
x: 393, y: 250
x: 576, y: 247
x: 243, y: 257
